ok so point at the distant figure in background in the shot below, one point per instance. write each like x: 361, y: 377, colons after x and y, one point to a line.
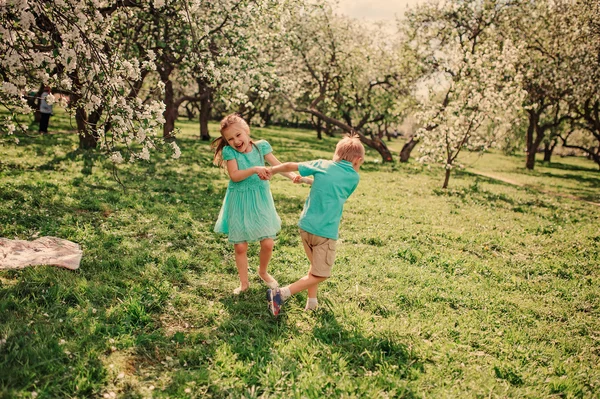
x: 45, y: 111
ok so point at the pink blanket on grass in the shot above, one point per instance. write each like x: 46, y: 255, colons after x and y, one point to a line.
x: 17, y: 254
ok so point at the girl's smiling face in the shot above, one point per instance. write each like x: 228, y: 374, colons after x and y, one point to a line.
x: 238, y: 138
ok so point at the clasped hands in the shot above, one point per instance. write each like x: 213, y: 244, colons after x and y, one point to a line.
x: 266, y: 173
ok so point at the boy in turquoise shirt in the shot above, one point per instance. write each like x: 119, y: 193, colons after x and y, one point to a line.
x: 332, y: 184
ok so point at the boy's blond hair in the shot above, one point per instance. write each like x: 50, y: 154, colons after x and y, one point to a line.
x: 348, y: 149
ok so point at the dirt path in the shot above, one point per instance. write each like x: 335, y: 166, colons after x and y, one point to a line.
x: 515, y: 183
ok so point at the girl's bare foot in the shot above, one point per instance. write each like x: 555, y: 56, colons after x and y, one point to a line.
x: 239, y: 290
x: 269, y: 280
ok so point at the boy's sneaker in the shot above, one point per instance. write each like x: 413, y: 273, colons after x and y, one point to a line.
x: 275, y: 301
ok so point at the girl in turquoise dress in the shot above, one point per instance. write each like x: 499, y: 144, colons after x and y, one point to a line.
x: 248, y: 212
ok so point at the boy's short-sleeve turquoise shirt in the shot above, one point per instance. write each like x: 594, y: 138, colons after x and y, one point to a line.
x: 333, y: 184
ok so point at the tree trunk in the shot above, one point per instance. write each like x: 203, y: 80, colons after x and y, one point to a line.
x: 380, y: 131
x: 533, y: 143
x: 88, y: 134
x: 87, y: 141
x: 318, y: 127
x: 189, y: 109
x: 170, y: 113
x: 591, y: 117
x: 547, y: 153
x: 266, y: 115
x: 446, y: 178
x: 549, y: 147
x: 346, y: 117
x: 86, y: 128
x: 205, y: 107
x: 387, y: 132
x: 329, y: 129
x: 595, y: 156
x: 383, y: 150
x: 407, y: 149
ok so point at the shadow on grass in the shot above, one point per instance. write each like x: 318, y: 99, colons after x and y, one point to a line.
x: 88, y: 157
x: 233, y: 356
x: 565, y: 166
x: 592, y: 182
x: 590, y: 194
x: 475, y: 194
x: 368, y: 355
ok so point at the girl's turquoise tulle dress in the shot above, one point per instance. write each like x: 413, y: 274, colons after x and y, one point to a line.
x: 248, y: 211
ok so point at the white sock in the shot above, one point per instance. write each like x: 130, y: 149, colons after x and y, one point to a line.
x: 285, y: 293
x: 311, y: 304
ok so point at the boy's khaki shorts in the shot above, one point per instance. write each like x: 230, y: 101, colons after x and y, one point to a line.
x: 321, y: 253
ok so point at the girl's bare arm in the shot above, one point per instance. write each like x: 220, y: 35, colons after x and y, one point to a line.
x: 273, y: 161
x: 237, y: 175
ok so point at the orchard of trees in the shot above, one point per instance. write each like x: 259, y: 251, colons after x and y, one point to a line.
x: 473, y: 74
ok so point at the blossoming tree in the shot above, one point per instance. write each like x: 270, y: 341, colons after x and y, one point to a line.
x: 207, y: 49
x: 581, y: 22
x: 68, y: 45
x: 344, y: 73
x: 472, y: 81
x: 542, y: 32
x: 116, y: 62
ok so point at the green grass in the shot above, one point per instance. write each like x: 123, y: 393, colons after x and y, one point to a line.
x: 482, y: 290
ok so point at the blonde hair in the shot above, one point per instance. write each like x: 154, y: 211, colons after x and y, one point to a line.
x: 219, y: 143
x: 349, y: 148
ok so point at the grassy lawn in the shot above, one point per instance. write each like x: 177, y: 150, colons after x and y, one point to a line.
x: 482, y: 290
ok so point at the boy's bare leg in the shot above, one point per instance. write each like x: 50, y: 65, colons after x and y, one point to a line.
x: 312, y: 291
x: 311, y: 302
x: 266, y: 250
x: 241, y: 261
x: 308, y: 282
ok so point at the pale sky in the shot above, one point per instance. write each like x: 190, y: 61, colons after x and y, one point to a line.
x: 375, y: 10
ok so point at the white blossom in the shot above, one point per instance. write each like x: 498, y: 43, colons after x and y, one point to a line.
x: 176, y: 150
x: 144, y: 154
x: 50, y: 99
x: 116, y: 157
x: 10, y: 88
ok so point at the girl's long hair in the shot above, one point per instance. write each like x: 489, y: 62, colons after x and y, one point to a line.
x: 219, y: 143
